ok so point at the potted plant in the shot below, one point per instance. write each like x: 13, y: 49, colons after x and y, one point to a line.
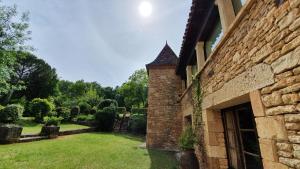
x: 9, y: 131
x: 51, y: 127
x: 188, y: 158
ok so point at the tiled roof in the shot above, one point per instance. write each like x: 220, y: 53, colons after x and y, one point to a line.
x: 195, y: 23
x: 165, y: 57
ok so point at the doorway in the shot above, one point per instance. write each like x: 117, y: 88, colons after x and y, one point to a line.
x: 241, y: 138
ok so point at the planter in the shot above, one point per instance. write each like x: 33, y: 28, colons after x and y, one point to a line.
x: 10, y: 133
x: 50, y: 131
x: 188, y: 160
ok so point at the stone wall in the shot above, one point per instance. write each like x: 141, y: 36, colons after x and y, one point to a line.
x: 259, y: 55
x: 164, y: 121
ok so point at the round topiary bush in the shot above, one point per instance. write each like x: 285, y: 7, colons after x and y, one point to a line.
x: 105, y: 119
x: 85, y: 108
x: 41, y: 108
x: 11, y: 113
x: 107, y: 103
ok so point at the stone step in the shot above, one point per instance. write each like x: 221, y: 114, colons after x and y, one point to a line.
x: 29, y: 135
x: 30, y: 139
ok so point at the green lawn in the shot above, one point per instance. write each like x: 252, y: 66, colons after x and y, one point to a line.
x: 85, y: 151
x: 30, y: 127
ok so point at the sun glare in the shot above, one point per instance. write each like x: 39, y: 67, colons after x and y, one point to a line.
x: 145, y: 9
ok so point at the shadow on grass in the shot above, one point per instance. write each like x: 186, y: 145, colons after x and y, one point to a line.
x: 131, y: 136
x: 159, y: 159
x: 163, y: 159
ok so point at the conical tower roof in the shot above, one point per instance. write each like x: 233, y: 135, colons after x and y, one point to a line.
x: 166, y: 57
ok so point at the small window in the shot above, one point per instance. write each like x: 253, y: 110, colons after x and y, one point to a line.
x: 214, y: 37
x: 237, y: 5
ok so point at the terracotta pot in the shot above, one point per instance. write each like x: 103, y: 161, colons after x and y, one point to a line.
x: 10, y: 133
x: 188, y: 160
x: 50, y: 131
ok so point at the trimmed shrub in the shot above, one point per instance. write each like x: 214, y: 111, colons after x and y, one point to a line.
x: 85, y: 108
x: 187, y: 139
x: 139, y: 111
x: 75, y: 111
x: 107, y: 103
x: 85, y: 118
x: 105, y: 119
x: 138, y: 124
x: 41, y: 108
x: 52, y: 121
x: 11, y: 113
x: 64, y: 113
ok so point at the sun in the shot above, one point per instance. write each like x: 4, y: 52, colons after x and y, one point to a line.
x: 145, y: 9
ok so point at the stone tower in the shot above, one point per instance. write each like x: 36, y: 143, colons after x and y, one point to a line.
x: 164, y: 119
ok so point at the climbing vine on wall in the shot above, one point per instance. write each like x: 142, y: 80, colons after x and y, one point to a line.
x: 197, y: 101
x: 198, y: 122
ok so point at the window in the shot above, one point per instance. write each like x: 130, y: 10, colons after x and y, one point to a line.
x: 214, y: 37
x: 241, y: 138
x: 237, y: 5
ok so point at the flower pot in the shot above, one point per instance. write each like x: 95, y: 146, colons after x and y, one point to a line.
x: 10, y: 133
x: 188, y: 160
x: 50, y: 131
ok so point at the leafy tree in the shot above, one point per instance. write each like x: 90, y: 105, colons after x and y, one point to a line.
x: 13, y: 33
x: 134, y: 91
x: 36, y: 75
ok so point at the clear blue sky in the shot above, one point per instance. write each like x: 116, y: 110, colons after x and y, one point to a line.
x: 102, y: 40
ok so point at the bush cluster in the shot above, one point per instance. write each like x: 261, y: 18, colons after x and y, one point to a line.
x: 85, y: 108
x: 84, y: 117
x: 64, y: 113
x: 41, y: 108
x: 138, y: 124
x: 11, y: 113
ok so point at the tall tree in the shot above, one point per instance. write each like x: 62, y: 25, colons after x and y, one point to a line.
x: 13, y: 33
x: 134, y: 91
x: 37, y: 76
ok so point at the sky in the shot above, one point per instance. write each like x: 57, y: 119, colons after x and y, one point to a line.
x: 102, y: 40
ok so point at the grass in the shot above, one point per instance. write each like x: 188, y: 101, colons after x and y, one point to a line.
x: 85, y: 151
x: 31, y: 127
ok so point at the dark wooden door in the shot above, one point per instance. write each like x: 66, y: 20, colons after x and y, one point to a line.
x: 241, y: 138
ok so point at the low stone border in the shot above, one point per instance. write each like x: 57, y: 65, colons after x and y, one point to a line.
x: 36, y: 137
x: 79, y: 131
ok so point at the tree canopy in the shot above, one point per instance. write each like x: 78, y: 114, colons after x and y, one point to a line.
x: 13, y: 34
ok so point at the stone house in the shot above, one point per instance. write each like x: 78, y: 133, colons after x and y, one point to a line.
x: 236, y: 81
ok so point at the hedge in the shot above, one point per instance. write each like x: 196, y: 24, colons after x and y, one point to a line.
x: 105, y: 119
